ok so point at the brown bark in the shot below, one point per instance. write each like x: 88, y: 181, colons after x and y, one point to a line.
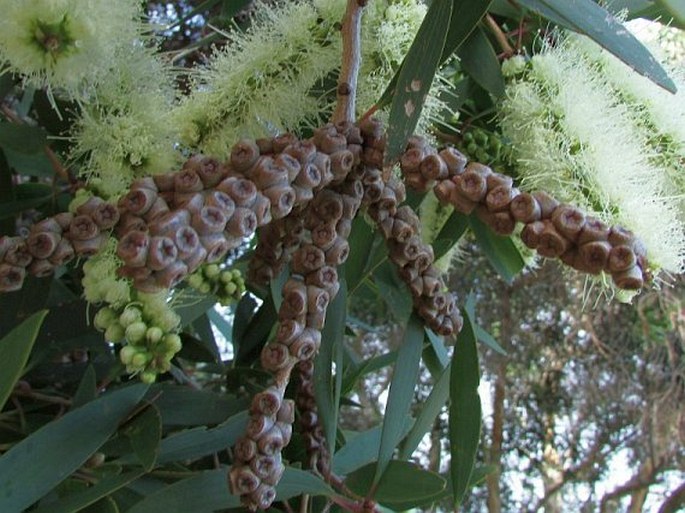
x: 675, y: 501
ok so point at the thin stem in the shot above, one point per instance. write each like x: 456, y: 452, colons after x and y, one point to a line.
x: 347, y: 83
x: 500, y: 36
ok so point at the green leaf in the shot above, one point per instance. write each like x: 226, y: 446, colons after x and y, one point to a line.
x: 208, y: 491
x: 426, y: 418
x: 465, y: 18
x: 15, y: 349
x: 191, y: 309
x: 401, y: 393
x: 676, y: 8
x: 478, y: 59
x: 199, y: 442
x: 393, y: 290
x: 255, y: 333
x: 488, y: 340
x: 30, y: 164
x: 465, y: 410
x: 61, y: 447
x: 24, y: 139
x: 499, y: 250
x: 416, y: 76
x: 87, y: 389
x: 451, y: 232
x: 276, y: 286
x: 361, y: 242
x: 203, y: 328
x: 362, y: 448
x: 183, y: 406
x: 586, y: 17
x: 77, y: 501
x: 404, y: 485
x: 328, y: 385
x: 144, y: 433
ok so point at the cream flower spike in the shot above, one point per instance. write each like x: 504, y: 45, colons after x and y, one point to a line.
x: 64, y: 43
x: 575, y: 135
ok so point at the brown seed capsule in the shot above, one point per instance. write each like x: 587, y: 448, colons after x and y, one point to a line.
x: 472, y: 185
x: 90, y: 247
x: 433, y: 167
x: 63, y: 253
x: 138, y: 201
x: 525, y: 208
x: 568, y: 221
x: 169, y: 224
x: 593, y: 230
x: 267, y: 402
x: 306, y: 345
x: 171, y: 275
x: 190, y: 201
x: 455, y: 160
x: 344, y: 227
x: 443, y: 190
x: 133, y: 273
x: 629, y: 279
x: 286, y: 413
x: 498, y: 179
x: 308, y: 177
x: 326, y: 277
x: 45, y: 225
x: 499, y: 198
x: 303, y: 151
x: 164, y: 181
x: 323, y: 162
x: 244, y: 154
x: 282, y: 199
x: 294, y: 299
x: 531, y: 233
x: 242, y: 480
x: 90, y: 205
x: 245, y: 449
x: 282, y: 141
x: 337, y: 254
x: 308, y: 259
x: 621, y: 258
x: 621, y: 236
x: 220, y: 200
x: 275, y: 356
x: 186, y: 240
x: 82, y: 228
x: 196, y: 259
x: 546, y: 202
x: 187, y: 180
x: 128, y: 223
x: 324, y: 235
x: 216, y: 245
x: 303, y: 195
x: 593, y: 256
x: 208, y: 220
x: 262, y: 210
x: 41, y: 268
x: 272, y: 442
x: 242, y: 191
x: 106, y: 216
x: 290, y: 164
x: 424, y: 258
x: 410, y: 161
x: 162, y: 252
x: 42, y: 244
x: 210, y: 171
x: 242, y: 223
x: 64, y: 219
x: 266, y: 173
x: 288, y: 331
x: 133, y: 248
x: 341, y: 164
x: 552, y: 244
x: 262, y: 497
x: 500, y: 222
x: 11, y: 277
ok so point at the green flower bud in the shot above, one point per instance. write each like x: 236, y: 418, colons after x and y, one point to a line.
x: 205, y: 288
x: 104, y: 318
x: 126, y: 354
x: 195, y: 281
x: 148, y: 377
x: 211, y: 271
x: 136, y: 332
x: 231, y: 288
x: 130, y: 315
x: 154, y: 334
x: 139, y: 360
x: 172, y: 343
x: 114, y: 332
x: 168, y: 320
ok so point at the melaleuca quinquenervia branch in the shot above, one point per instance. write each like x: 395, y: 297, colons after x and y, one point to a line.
x: 553, y: 229
x: 313, y: 283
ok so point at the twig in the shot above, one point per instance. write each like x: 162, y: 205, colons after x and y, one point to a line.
x: 349, y: 71
x: 41, y: 397
x: 499, y: 36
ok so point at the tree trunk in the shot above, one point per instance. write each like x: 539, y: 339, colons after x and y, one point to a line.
x: 675, y: 501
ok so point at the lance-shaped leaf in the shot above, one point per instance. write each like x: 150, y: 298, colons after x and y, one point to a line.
x: 586, y: 17
x: 465, y: 410
x: 39, y: 462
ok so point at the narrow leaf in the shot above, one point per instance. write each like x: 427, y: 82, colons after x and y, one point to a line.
x: 465, y: 18
x: 22, y: 138
x: 586, y: 17
x: 478, y: 59
x: 465, y: 410
x: 500, y: 251
x: 393, y: 290
x: 426, y: 418
x: 401, y: 393
x: 15, y: 349
x: 676, y: 8
x: 403, y: 486
x: 87, y: 389
x: 145, y: 432
x: 39, y: 462
x: 416, y: 76
x: 77, y: 501
x: 328, y: 385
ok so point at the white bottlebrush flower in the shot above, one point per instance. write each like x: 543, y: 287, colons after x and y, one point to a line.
x: 574, y: 134
x: 280, y: 75
x: 125, y: 129
x: 64, y: 43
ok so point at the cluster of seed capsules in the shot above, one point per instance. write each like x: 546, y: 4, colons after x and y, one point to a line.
x: 55, y: 241
x: 553, y: 229
x: 313, y: 250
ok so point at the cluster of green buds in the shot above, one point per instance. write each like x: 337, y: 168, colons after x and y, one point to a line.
x: 147, y: 329
x: 227, y: 285
x: 484, y: 146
